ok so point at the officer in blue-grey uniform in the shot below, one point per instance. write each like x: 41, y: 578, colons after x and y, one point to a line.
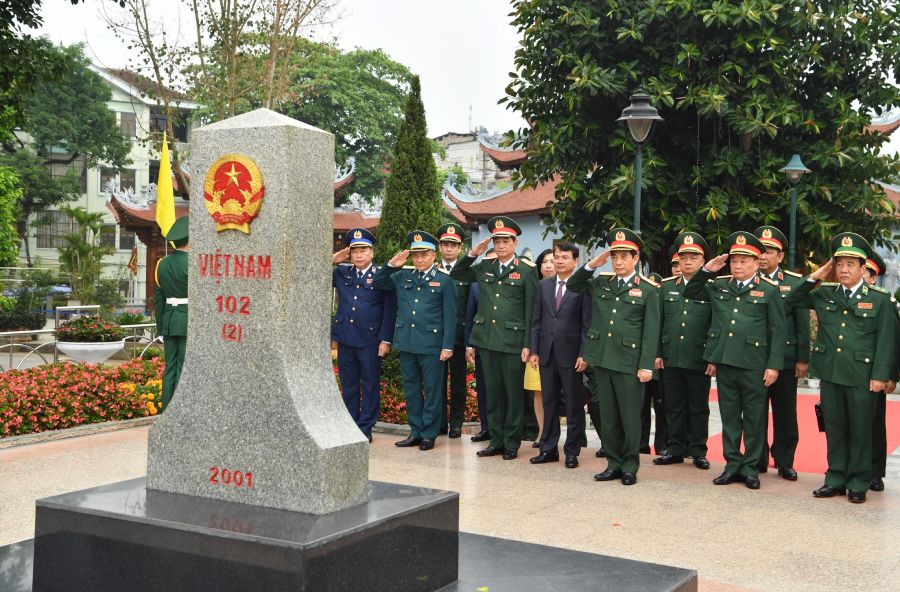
x: 425, y: 332
x: 362, y: 328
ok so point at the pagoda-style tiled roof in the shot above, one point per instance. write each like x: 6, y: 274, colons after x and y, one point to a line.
x: 508, y: 202
x: 504, y: 158
x: 885, y: 124
x: 344, y: 221
x: 133, y: 216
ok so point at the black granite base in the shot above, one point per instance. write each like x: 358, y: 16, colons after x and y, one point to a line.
x: 170, y: 543
x: 484, y: 563
x: 125, y: 537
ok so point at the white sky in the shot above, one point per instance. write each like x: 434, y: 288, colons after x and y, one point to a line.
x: 463, y: 51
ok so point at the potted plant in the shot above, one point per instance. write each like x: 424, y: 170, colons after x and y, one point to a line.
x: 89, y: 339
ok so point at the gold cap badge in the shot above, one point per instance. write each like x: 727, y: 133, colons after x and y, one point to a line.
x: 451, y: 230
x: 357, y: 234
x: 498, y: 224
x: 620, y: 236
x: 688, y: 240
x: 846, y: 242
x: 767, y: 233
x: 417, y: 238
x: 741, y: 239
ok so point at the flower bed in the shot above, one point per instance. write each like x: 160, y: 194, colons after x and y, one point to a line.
x: 65, y: 395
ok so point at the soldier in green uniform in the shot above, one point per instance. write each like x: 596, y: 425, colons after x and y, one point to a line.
x: 170, y: 301
x: 874, y: 268
x: 685, y: 374
x: 745, y: 342
x: 450, y: 238
x: 621, y: 348
x: 424, y: 333
x: 853, y: 355
x: 501, y: 330
x: 783, y: 393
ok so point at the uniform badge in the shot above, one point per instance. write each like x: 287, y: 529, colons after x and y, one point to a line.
x: 434, y: 284
x: 757, y: 294
x: 847, y: 241
x: 369, y: 280
x: 635, y: 292
x: 499, y: 224
x: 864, y: 305
x: 418, y: 238
x: 233, y: 190
x: 620, y: 236
x: 784, y: 288
x: 688, y: 240
x: 741, y: 239
x: 515, y: 275
x: 357, y: 234
x: 767, y: 233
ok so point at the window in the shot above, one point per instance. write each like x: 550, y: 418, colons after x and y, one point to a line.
x: 159, y: 123
x: 126, y: 240
x: 109, y: 177
x: 107, y: 236
x: 128, y: 124
x: 59, y: 168
x: 52, y: 227
x: 127, y: 179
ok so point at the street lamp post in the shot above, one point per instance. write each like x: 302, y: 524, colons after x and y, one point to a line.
x: 794, y: 170
x: 639, y: 116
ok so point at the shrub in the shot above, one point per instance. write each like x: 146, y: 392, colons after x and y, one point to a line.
x: 88, y: 329
x: 65, y: 395
x: 18, y: 320
x: 131, y: 317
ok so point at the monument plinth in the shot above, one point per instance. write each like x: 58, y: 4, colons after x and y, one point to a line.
x: 257, y: 417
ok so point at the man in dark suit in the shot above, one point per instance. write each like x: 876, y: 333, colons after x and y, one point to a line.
x: 473, y: 358
x: 559, y: 326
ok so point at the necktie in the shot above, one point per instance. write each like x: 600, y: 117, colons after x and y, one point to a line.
x: 559, y: 293
x: 501, y: 268
x: 848, y: 292
x: 621, y: 283
x: 359, y: 275
x: 447, y: 266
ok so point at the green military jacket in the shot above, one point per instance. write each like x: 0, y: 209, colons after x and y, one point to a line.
x: 171, y: 282
x: 462, y: 300
x: 748, y: 327
x: 503, y: 320
x: 796, y: 320
x: 856, y: 339
x: 685, y: 324
x: 624, y: 333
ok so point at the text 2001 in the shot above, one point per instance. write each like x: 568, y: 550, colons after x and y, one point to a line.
x: 221, y: 476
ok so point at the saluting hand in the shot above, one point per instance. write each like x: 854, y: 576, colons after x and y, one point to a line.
x: 341, y: 256
x: 823, y: 272
x: 480, y: 248
x: 716, y: 264
x: 769, y: 377
x: 399, y: 259
x: 600, y: 260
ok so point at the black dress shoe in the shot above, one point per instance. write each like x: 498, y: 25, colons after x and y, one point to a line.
x: 668, y: 459
x: 481, y: 437
x: 536, y: 444
x: 427, y: 444
x: 645, y: 450
x: 856, y: 496
x: 787, y: 473
x: 608, y: 475
x: 544, y: 457
x: 876, y: 484
x: 571, y: 461
x: 629, y: 478
x: 369, y: 437
x: 828, y: 491
x: 510, y: 453
x: 601, y: 453
x: 454, y: 433
x: 701, y: 463
x: 489, y: 451
x: 408, y: 442
x: 752, y: 482
x: 727, y: 478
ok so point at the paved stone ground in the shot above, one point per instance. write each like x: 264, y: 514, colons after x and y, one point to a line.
x: 778, y: 538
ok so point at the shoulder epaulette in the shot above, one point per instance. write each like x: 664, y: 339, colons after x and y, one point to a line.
x: 721, y: 277
x: 649, y: 281
x: 409, y: 267
x: 879, y: 289
x: 527, y: 262
x: 829, y: 284
x: 345, y: 263
x: 669, y: 279
x: 792, y: 273
x: 442, y: 270
x: 607, y: 273
x: 766, y: 279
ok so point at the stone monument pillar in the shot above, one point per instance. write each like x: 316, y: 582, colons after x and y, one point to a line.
x: 257, y: 417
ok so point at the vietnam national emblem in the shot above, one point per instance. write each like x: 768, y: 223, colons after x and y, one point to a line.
x: 233, y: 190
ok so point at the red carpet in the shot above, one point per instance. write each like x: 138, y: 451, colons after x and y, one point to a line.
x: 811, y: 456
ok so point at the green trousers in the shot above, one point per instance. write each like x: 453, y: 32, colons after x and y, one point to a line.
x: 687, y: 411
x: 174, y: 350
x: 619, y: 396
x: 456, y: 373
x: 744, y: 409
x: 849, y: 412
x: 505, y: 377
x: 422, y: 382
x: 785, y: 432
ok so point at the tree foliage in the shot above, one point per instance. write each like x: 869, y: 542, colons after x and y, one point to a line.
x: 359, y: 96
x: 412, y: 196
x: 82, y: 256
x: 741, y: 85
x: 9, y: 198
x: 66, y: 118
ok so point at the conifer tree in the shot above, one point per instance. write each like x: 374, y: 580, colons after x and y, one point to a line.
x: 412, y: 195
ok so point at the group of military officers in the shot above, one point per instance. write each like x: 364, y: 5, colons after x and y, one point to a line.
x: 619, y: 332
